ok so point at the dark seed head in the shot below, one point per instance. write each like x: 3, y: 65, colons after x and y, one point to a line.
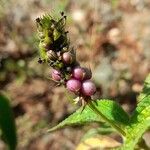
x: 62, y: 13
x: 40, y: 61
x: 38, y: 20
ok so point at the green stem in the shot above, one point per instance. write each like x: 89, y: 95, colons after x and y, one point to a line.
x: 106, y: 119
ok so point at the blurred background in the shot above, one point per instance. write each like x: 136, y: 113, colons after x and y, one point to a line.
x: 112, y: 37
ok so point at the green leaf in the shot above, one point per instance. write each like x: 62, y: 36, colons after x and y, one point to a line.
x: 140, y: 120
x: 7, y: 123
x: 77, y: 118
x: 146, y: 89
x: 98, y: 131
x: 109, y: 109
x: 113, y: 111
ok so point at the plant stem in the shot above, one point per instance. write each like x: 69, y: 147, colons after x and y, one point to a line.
x: 105, y: 118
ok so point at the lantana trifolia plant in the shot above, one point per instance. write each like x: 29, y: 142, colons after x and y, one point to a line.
x: 55, y: 50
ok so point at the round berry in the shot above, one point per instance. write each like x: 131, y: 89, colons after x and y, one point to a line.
x: 56, y: 75
x: 67, y: 58
x: 88, y: 88
x: 78, y: 73
x: 73, y: 85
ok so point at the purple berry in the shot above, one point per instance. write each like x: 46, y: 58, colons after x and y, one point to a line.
x: 78, y: 73
x: 88, y: 88
x: 81, y: 73
x: 73, y: 85
x: 67, y: 58
x: 56, y: 75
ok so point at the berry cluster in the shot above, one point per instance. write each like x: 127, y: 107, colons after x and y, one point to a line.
x: 55, y: 50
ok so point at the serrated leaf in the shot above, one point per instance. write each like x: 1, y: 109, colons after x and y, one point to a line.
x: 7, y: 123
x: 140, y: 120
x: 77, y: 118
x: 113, y: 111
x: 110, y: 109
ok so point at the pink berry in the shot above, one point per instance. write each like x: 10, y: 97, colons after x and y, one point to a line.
x: 67, y: 58
x: 88, y: 88
x: 78, y: 73
x: 56, y: 75
x: 81, y: 73
x: 73, y: 85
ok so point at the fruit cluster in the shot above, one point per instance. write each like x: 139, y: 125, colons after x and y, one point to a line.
x: 55, y: 50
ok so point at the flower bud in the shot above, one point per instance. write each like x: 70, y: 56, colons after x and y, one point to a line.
x: 56, y: 75
x: 78, y: 73
x: 52, y: 55
x: 73, y: 85
x: 88, y: 88
x: 67, y: 58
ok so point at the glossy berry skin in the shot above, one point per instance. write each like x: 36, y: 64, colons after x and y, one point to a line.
x: 88, y: 88
x: 78, y: 73
x: 56, y: 75
x: 81, y: 73
x: 67, y: 58
x: 73, y: 85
